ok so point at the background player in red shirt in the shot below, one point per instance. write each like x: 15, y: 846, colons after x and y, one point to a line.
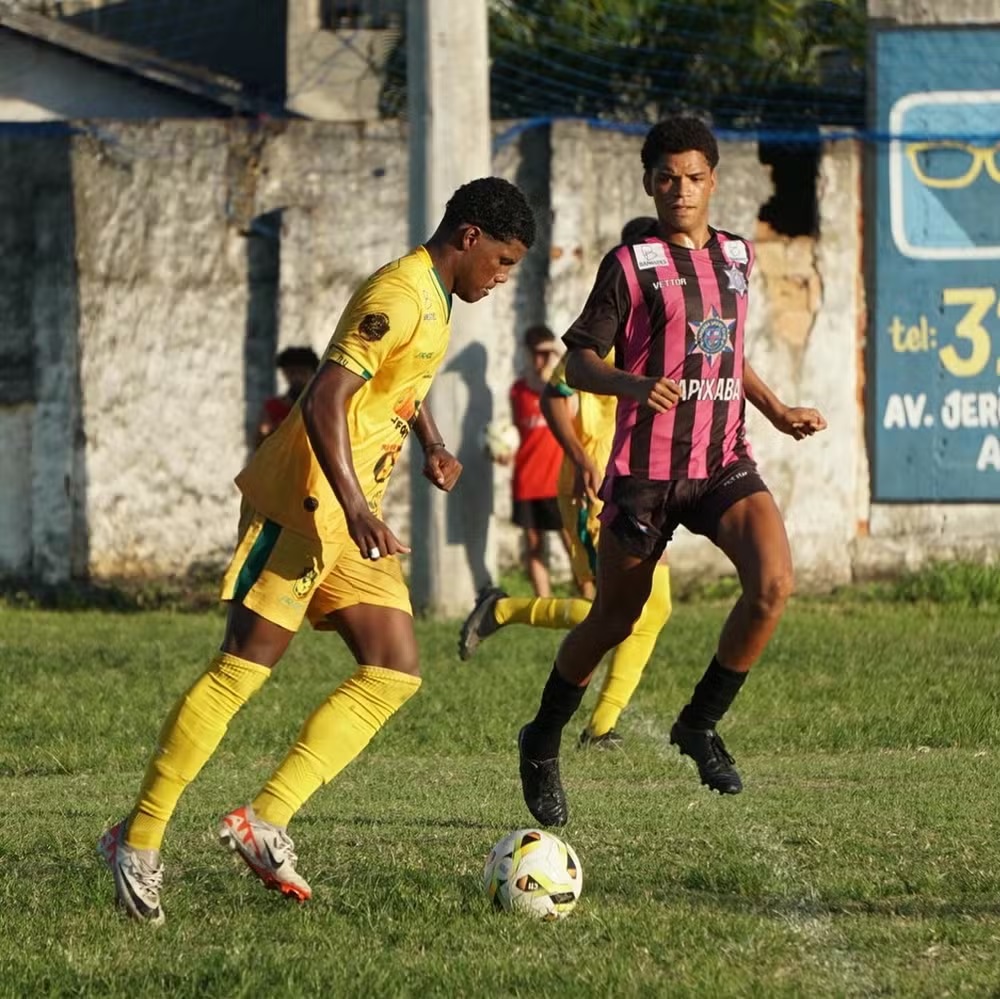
x: 534, y: 483
x: 673, y: 307
x: 297, y: 365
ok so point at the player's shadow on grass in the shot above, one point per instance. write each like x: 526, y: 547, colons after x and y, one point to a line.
x: 798, y: 908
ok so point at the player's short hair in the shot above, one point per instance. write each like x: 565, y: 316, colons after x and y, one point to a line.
x: 297, y: 357
x: 539, y: 336
x: 639, y: 228
x: 496, y: 206
x: 679, y: 135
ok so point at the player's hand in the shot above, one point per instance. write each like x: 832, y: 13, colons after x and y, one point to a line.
x: 586, y: 482
x: 373, y: 537
x: 800, y: 422
x: 442, y: 468
x: 660, y: 394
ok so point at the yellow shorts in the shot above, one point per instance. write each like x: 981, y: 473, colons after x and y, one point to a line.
x: 284, y: 576
x: 583, y: 527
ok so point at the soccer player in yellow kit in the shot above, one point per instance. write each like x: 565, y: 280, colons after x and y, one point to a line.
x: 312, y: 544
x: 584, y: 424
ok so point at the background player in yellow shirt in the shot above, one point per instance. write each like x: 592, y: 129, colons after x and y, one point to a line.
x: 584, y: 425
x: 312, y: 544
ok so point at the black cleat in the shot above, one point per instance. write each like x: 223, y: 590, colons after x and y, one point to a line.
x: 542, y: 788
x: 481, y: 622
x: 706, y: 748
x: 611, y: 740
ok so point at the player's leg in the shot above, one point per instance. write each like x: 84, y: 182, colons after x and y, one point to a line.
x: 494, y: 609
x: 623, y: 586
x: 534, y: 561
x: 194, y: 728
x: 385, y: 648
x: 627, y: 664
x: 752, y: 534
x: 380, y: 636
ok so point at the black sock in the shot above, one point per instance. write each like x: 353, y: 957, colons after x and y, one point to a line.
x: 560, y: 699
x: 714, y: 693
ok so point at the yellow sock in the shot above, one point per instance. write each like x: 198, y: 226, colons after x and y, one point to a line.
x: 188, y: 738
x: 332, y: 736
x: 630, y: 658
x: 541, y: 612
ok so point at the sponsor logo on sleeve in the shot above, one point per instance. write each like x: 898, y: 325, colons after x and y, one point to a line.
x: 735, y: 251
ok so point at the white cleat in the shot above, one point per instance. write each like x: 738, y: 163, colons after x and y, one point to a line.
x: 138, y: 875
x: 267, y: 850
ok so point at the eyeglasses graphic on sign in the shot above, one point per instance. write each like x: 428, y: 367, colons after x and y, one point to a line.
x: 949, y: 164
x: 944, y: 181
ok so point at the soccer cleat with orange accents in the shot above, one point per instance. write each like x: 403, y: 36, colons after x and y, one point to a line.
x: 138, y: 875
x: 267, y: 850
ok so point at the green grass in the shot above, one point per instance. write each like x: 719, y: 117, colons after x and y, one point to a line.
x: 861, y: 860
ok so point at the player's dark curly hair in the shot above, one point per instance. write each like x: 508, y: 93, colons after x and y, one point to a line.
x: 498, y: 207
x: 679, y: 135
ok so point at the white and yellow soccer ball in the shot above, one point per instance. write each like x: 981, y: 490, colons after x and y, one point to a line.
x: 533, y: 872
x: 499, y: 439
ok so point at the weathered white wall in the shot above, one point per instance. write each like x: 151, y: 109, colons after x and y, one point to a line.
x: 138, y: 314
x: 40, y: 83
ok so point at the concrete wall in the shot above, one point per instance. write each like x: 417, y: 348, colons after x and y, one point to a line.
x: 336, y: 75
x: 147, y: 278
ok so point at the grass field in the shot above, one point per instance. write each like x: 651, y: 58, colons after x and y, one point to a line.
x: 861, y: 860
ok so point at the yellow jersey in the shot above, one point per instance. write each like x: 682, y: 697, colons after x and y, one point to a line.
x: 394, y: 333
x: 594, y: 423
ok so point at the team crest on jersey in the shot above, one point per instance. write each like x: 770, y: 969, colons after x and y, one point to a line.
x: 712, y: 336
x: 374, y: 326
x: 737, y: 279
x: 735, y: 251
x: 649, y: 255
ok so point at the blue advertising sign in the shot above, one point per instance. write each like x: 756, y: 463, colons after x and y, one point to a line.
x: 935, y: 332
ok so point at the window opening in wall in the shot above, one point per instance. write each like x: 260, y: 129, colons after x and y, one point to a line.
x: 792, y: 210
x: 353, y: 15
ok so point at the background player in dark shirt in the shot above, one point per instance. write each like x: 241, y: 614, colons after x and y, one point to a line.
x: 673, y: 308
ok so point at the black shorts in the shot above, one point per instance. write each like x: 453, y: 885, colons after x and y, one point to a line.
x: 643, y: 513
x: 541, y: 514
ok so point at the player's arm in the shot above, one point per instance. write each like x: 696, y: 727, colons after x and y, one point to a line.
x: 587, y: 372
x: 440, y: 466
x: 265, y: 425
x: 599, y: 328
x: 796, y: 421
x: 324, y: 411
x: 558, y: 412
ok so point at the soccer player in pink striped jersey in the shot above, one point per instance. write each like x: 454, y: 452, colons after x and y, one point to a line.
x: 673, y: 308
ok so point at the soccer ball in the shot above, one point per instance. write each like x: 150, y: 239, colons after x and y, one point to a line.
x: 534, y: 872
x: 499, y: 439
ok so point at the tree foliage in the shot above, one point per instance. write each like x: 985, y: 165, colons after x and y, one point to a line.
x: 771, y: 61
x: 776, y: 63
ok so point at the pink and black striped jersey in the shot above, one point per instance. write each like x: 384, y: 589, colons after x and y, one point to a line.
x: 669, y: 310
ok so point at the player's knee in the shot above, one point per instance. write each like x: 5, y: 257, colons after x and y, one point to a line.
x: 402, y: 660
x: 617, y: 620
x: 770, y: 599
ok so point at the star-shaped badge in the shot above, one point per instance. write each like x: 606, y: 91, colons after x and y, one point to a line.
x: 737, y: 279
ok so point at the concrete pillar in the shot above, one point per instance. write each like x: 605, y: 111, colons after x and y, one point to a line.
x: 449, y: 120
